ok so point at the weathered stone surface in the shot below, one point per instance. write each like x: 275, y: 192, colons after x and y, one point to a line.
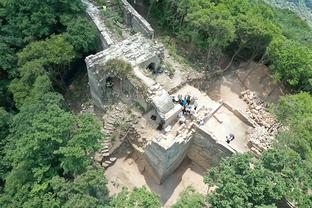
x: 95, y: 15
x: 98, y: 157
x: 206, y: 150
x: 164, y: 157
x: 136, y: 21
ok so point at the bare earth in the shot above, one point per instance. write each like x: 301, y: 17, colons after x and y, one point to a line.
x: 252, y: 76
x: 126, y: 172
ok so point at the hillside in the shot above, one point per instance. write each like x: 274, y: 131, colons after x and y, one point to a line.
x: 303, y: 8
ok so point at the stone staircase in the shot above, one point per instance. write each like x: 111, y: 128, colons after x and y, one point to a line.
x: 111, y: 119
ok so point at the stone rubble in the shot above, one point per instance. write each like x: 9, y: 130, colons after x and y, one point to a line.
x: 262, y: 137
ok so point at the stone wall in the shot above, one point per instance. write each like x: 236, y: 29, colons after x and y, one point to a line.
x: 163, y: 159
x: 96, y: 87
x: 129, y: 91
x: 136, y: 21
x: 95, y: 15
x: 206, y: 151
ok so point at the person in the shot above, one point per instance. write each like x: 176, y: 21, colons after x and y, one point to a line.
x: 188, y: 99
x: 230, y: 138
x: 180, y: 99
x: 195, y: 105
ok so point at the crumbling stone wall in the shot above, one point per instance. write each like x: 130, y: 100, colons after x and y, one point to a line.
x: 96, y: 86
x: 206, y: 150
x: 95, y: 15
x: 136, y: 21
x: 164, y: 160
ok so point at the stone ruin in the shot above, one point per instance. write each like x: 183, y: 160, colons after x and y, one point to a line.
x: 156, y: 132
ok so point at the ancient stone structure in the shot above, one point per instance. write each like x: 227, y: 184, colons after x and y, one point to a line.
x: 159, y: 135
x: 137, y: 50
x: 136, y: 21
x: 95, y: 15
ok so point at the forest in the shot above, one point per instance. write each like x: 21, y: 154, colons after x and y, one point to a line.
x: 45, y: 148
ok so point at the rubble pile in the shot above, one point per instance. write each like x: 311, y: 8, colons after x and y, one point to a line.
x: 85, y: 108
x: 262, y: 137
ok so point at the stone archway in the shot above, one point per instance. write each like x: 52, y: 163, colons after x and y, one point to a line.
x: 152, y: 67
x: 113, y: 83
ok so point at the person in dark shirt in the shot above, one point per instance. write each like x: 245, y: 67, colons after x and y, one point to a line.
x: 230, y: 138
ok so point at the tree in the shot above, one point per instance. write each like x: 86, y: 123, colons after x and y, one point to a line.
x: 139, y: 197
x: 84, y: 141
x: 82, y: 35
x: 243, y: 181
x: 295, y: 112
x: 291, y: 62
x: 5, y: 120
x: 213, y: 24
x: 49, y: 143
x: 190, y: 198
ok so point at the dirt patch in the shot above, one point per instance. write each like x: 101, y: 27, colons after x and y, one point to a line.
x: 127, y: 172
x: 252, y: 76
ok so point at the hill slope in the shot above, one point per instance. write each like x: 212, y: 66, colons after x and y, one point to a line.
x: 303, y: 8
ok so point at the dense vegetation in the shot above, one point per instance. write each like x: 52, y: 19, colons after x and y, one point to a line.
x: 45, y: 150
x: 241, y: 29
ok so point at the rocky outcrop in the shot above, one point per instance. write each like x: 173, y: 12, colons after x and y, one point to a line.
x: 266, y: 125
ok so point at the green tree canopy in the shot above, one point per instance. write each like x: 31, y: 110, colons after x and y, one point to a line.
x: 139, y: 197
x: 190, y: 198
x: 243, y: 181
x: 295, y: 112
x: 292, y: 63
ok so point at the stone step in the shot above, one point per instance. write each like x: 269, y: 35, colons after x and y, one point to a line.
x: 111, y: 122
x: 105, y: 154
x: 112, y: 159
x: 109, y: 129
x: 104, y: 151
x: 105, y: 165
x: 105, y: 147
x: 106, y: 143
x: 107, y: 162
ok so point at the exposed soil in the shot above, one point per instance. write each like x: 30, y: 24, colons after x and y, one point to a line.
x: 126, y: 173
x: 252, y: 76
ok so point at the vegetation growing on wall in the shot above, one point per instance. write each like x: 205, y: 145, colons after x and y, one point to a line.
x: 117, y: 68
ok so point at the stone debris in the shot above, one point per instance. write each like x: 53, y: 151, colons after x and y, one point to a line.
x: 262, y: 136
x: 87, y: 108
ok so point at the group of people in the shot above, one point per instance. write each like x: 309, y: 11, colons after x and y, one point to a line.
x: 185, y: 102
